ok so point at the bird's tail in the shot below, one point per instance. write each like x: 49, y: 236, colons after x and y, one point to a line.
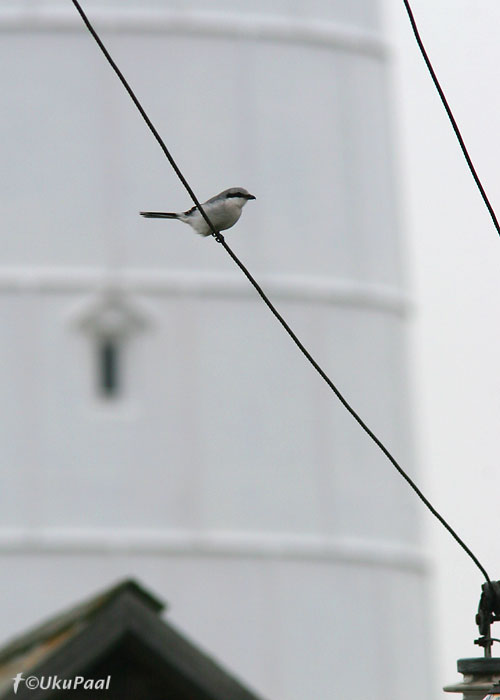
x: 159, y: 215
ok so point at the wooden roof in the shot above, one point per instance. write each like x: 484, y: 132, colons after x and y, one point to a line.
x: 119, y: 633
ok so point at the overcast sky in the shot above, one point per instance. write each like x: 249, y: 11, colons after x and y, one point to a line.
x: 454, y: 270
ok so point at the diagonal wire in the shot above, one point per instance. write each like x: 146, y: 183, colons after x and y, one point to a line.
x: 451, y: 117
x: 220, y: 239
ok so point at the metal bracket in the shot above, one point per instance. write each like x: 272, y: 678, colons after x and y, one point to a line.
x: 488, y: 613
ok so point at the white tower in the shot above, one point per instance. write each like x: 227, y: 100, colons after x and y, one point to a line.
x: 156, y: 420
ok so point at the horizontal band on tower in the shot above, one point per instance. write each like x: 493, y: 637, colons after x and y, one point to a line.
x: 141, y: 19
x: 196, y: 283
x: 217, y: 544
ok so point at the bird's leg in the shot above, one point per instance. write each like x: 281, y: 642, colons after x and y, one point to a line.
x: 218, y: 237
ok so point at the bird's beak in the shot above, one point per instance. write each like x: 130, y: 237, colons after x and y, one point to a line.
x: 250, y: 196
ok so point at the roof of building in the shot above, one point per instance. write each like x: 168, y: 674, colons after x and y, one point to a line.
x: 118, y: 632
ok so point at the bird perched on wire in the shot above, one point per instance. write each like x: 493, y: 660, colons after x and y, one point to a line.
x: 223, y: 210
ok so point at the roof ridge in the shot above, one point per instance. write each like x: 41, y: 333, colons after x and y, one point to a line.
x: 76, y: 616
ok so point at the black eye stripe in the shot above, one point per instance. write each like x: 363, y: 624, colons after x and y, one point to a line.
x: 236, y: 194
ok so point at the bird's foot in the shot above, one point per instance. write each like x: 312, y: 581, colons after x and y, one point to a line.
x: 218, y: 237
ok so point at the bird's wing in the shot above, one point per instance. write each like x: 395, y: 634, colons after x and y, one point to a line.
x: 206, y: 204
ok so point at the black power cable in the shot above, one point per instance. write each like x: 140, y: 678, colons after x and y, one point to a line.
x: 451, y: 117
x: 220, y: 238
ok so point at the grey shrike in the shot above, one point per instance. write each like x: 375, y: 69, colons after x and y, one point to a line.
x: 223, y: 210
